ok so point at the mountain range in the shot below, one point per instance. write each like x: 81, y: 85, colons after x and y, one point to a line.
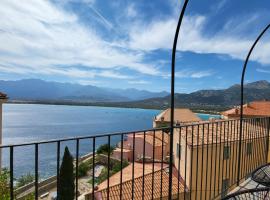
x: 211, y: 99
x: 35, y: 89
x: 40, y: 91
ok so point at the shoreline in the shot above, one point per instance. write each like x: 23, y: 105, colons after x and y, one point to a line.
x: 104, y: 104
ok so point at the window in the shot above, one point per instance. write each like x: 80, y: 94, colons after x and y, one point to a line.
x: 225, y: 186
x: 226, y: 152
x: 178, y: 151
x: 249, y: 148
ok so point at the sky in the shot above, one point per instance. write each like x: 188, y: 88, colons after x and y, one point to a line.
x: 127, y: 43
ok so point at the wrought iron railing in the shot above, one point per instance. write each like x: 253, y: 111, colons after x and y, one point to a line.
x: 205, y: 161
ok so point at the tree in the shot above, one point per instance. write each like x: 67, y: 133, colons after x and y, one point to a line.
x: 66, y: 178
x: 4, y: 184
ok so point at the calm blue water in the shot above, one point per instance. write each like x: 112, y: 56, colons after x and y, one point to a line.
x: 25, y: 123
x: 207, y: 116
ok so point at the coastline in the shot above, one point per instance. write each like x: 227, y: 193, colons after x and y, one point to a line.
x: 129, y: 105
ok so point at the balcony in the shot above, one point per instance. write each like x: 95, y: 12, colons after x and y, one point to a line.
x: 210, y: 160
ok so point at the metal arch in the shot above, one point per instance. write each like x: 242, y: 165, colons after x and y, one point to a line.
x: 242, y: 97
x: 173, y: 92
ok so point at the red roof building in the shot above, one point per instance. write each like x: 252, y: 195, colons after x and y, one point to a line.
x: 253, y: 109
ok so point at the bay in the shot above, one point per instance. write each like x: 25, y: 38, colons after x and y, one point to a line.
x: 31, y: 122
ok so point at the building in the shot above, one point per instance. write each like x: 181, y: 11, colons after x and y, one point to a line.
x: 144, y: 144
x: 3, y: 99
x: 206, y: 155
x: 181, y: 115
x: 155, y: 178
x: 252, y: 109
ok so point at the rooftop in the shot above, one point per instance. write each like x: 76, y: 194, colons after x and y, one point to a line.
x: 255, y: 108
x: 151, y: 137
x: 220, y: 132
x: 180, y: 115
x: 127, y: 173
x: 114, y: 191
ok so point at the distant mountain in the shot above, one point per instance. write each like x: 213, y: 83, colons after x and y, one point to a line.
x: 210, y: 99
x: 35, y: 89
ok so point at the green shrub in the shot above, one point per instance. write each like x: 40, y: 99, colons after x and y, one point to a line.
x: 105, y: 149
x: 83, y: 169
x: 24, y: 180
x: 4, y: 184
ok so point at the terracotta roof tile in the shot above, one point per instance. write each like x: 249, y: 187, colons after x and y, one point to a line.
x: 255, y: 108
x: 223, y: 131
x: 180, y: 115
x: 114, y: 191
x: 127, y: 173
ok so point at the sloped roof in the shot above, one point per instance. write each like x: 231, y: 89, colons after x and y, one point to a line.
x: 151, y: 137
x: 157, y: 177
x: 222, y: 131
x: 180, y: 115
x: 255, y: 108
x: 127, y: 173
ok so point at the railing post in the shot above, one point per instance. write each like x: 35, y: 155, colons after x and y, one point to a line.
x: 267, y: 140
x: 172, y: 95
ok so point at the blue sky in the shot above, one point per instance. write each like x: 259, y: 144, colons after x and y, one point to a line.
x: 127, y: 43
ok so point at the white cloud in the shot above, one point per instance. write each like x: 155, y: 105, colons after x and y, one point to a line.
x: 38, y: 37
x: 193, y: 74
x: 136, y: 82
x: 263, y: 70
x: 131, y: 11
x: 159, y: 34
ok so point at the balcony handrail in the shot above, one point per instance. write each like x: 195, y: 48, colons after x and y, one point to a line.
x: 123, y: 132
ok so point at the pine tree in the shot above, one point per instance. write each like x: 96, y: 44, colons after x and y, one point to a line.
x: 66, y: 178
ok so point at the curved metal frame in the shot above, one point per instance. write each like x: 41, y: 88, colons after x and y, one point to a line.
x: 265, y: 183
x: 173, y: 92
x: 242, y: 98
x: 249, y: 191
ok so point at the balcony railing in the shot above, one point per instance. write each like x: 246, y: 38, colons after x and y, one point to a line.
x: 205, y: 161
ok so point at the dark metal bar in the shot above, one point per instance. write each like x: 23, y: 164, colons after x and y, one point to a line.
x: 109, y: 167
x: 197, y: 161
x: 206, y: 176
x: 172, y: 94
x: 191, y: 163
x: 133, y: 160
x: 93, y: 168
x: 162, y: 155
x: 11, y: 153
x: 222, y: 168
x: 36, y: 171
x: 267, y: 139
x: 242, y: 98
x: 202, y: 163
x: 215, y: 164
x: 153, y: 163
x: 121, y: 173
x: 211, y: 166
x: 58, y: 168
x: 186, y: 143
x: 178, y: 153
x: 220, y: 160
x: 143, y: 164
x: 77, y: 167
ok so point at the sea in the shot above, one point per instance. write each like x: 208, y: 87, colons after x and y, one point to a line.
x: 24, y: 123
